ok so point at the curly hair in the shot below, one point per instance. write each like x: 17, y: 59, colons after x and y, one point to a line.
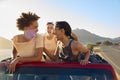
x: 26, y: 19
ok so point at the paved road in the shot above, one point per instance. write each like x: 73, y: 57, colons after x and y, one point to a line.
x: 112, y: 55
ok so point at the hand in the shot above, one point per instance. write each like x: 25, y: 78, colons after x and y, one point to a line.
x: 12, y: 65
x: 84, y: 62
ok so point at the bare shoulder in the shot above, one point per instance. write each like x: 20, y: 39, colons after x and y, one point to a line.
x: 17, y: 37
x: 76, y: 45
x: 74, y: 36
x: 39, y: 38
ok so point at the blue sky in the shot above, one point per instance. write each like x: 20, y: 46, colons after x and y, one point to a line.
x: 101, y: 17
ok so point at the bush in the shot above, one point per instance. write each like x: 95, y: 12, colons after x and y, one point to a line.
x: 90, y: 46
x: 107, y: 43
x: 98, y: 43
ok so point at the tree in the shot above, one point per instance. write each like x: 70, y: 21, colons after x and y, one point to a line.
x: 108, y: 43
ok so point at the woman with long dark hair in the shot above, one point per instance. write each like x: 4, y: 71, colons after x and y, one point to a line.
x: 71, y: 48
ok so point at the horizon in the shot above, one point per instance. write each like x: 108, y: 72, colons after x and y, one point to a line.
x: 99, y: 17
x: 76, y: 29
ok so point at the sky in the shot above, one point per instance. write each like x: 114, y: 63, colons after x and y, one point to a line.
x: 101, y: 17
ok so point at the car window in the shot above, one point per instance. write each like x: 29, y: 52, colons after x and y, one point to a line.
x: 41, y: 73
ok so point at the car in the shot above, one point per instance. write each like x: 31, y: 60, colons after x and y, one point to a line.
x: 60, y: 71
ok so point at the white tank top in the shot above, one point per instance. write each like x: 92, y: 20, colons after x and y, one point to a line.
x: 27, y: 49
x: 51, y: 44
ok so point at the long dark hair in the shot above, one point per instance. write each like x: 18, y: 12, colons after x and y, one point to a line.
x: 64, y: 25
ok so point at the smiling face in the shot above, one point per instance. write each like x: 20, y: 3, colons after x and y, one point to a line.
x: 62, y: 30
x: 33, y: 26
x: 64, y: 27
x: 59, y: 33
x: 31, y: 30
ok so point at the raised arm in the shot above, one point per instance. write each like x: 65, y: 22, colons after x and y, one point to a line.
x: 77, y: 48
x: 14, y: 51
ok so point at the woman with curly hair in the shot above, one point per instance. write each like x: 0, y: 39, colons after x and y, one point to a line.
x: 27, y: 47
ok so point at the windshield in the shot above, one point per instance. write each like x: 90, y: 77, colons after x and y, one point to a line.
x: 39, y: 73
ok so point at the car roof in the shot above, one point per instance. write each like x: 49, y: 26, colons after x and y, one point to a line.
x: 62, y: 65
x: 66, y: 65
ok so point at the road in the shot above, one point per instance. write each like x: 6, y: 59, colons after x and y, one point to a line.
x: 112, y: 55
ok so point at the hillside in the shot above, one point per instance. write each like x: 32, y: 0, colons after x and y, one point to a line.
x: 5, y: 43
x: 86, y: 37
x: 116, y: 39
